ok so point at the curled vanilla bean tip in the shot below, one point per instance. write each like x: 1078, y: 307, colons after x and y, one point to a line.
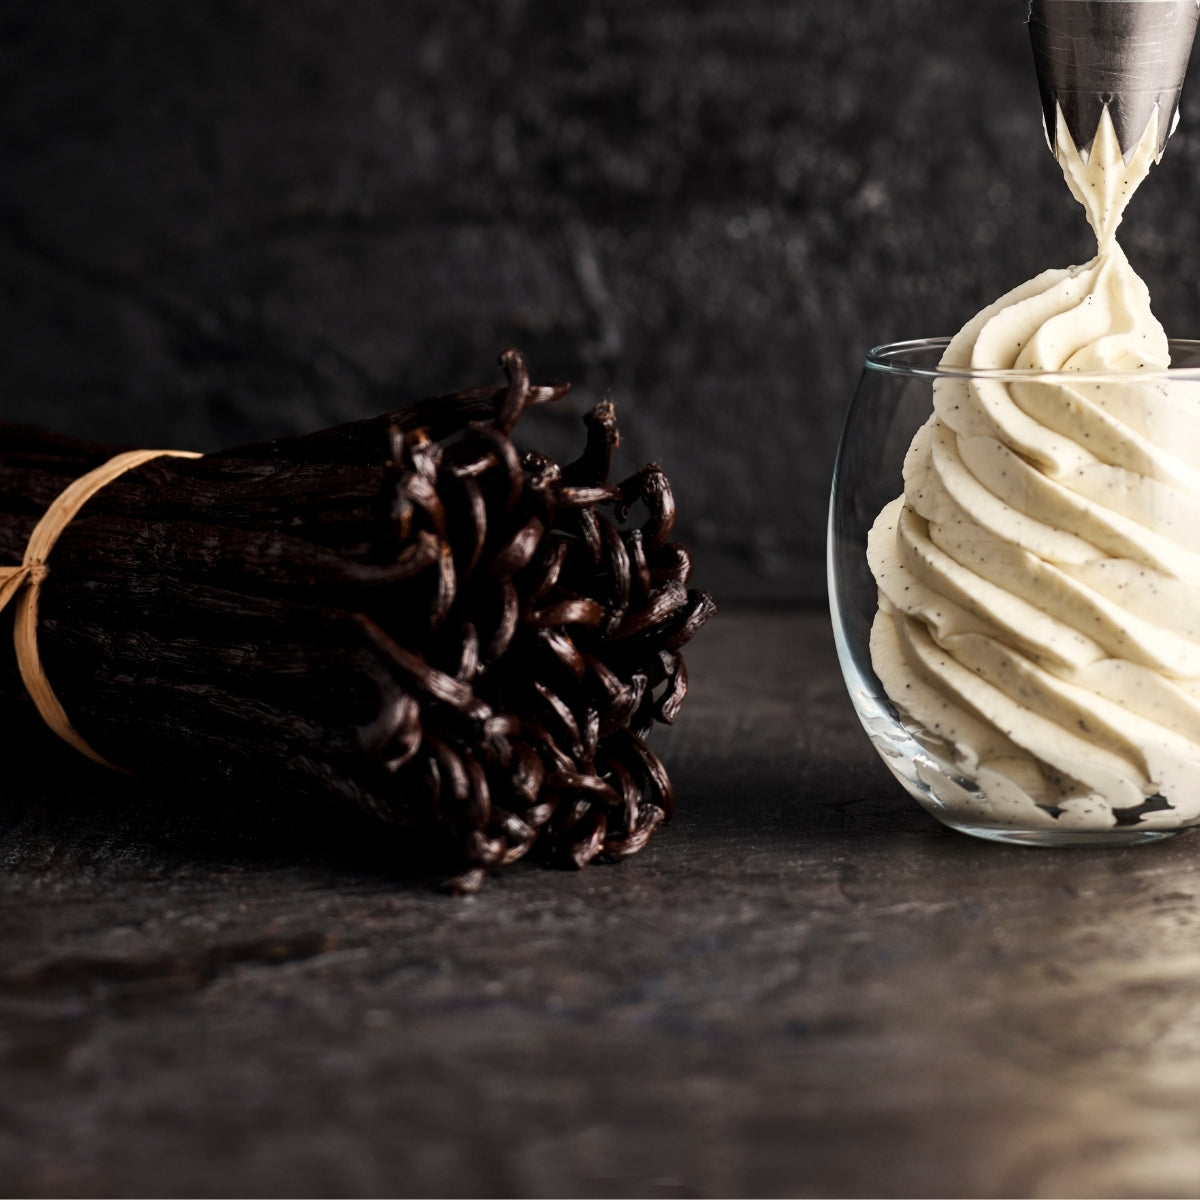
x: 518, y: 394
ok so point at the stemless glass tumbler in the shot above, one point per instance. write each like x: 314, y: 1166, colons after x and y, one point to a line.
x: 1016, y: 594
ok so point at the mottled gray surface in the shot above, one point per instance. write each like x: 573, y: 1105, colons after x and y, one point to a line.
x: 221, y: 221
x: 804, y: 986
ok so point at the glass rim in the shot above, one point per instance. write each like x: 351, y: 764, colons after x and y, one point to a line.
x: 889, y: 358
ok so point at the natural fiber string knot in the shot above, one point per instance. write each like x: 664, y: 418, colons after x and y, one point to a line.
x: 23, y: 583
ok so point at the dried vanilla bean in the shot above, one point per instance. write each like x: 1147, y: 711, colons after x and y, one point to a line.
x: 407, y: 613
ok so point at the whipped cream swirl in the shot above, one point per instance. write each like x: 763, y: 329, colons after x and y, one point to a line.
x: 1039, y: 579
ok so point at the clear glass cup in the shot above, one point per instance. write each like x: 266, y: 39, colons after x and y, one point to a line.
x: 1042, y: 654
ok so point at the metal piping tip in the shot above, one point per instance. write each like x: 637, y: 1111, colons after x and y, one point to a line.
x: 1128, y: 56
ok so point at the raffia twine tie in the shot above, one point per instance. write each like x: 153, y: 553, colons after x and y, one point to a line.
x: 24, y: 583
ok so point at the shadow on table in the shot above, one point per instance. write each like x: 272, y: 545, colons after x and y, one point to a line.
x: 74, y: 810
x: 90, y: 815
x: 797, y: 799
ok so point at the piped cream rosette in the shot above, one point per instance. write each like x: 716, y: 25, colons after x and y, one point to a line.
x: 1039, y: 579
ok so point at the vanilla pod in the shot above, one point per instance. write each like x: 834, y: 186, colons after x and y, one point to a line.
x: 406, y: 614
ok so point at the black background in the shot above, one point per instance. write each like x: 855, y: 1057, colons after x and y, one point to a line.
x: 222, y: 221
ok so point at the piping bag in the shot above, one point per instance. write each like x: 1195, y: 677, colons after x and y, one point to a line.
x: 1128, y: 56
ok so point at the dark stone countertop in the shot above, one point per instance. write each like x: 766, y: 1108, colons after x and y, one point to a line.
x: 804, y: 986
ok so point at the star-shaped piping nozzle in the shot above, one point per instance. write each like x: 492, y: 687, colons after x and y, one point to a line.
x: 1128, y: 56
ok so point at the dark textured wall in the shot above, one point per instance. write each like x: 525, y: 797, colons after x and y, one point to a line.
x: 230, y: 219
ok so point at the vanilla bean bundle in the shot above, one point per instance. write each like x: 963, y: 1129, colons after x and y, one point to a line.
x: 406, y: 614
